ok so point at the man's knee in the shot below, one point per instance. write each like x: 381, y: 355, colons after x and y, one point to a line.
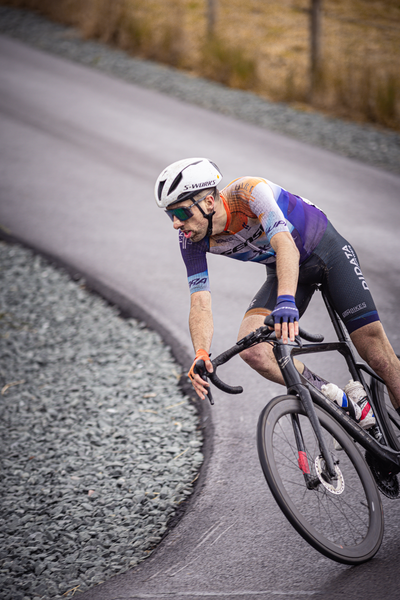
x: 252, y: 357
x: 259, y: 358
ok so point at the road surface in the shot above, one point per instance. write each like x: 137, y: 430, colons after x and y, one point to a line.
x: 80, y: 152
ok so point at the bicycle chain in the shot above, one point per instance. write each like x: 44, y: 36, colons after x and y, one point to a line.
x: 386, y: 481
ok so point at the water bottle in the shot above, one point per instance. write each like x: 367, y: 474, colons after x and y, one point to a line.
x: 334, y: 393
x: 355, y: 391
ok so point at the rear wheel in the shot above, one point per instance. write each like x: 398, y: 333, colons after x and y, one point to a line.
x: 340, y: 518
x: 386, y: 479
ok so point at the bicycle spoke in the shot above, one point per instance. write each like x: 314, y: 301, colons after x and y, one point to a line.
x: 326, y: 507
x: 340, y: 517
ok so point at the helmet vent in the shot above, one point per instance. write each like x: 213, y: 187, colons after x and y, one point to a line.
x: 175, y: 183
x: 160, y: 188
x: 185, y: 178
x: 214, y: 165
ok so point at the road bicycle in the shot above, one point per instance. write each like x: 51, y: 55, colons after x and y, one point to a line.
x: 310, y: 448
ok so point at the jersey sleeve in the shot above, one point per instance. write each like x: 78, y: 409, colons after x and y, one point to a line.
x: 267, y: 210
x: 194, y: 257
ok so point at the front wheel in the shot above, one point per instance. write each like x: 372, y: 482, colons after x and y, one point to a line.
x: 342, y: 519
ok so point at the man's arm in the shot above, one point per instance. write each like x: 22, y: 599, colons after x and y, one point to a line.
x: 201, y: 320
x: 201, y: 331
x: 287, y: 271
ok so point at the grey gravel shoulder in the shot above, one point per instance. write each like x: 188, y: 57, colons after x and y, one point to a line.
x: 367, y: 144
x: 99, y: 447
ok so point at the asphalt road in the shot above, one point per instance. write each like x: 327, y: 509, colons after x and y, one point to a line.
x: 79, y: 156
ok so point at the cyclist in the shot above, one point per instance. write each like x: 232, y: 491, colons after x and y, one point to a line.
x: 253, y: 219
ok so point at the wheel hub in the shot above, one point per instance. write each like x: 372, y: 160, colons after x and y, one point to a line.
x: 333, y: 485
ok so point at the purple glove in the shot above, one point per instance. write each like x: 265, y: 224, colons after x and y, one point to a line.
x: 285, y: 310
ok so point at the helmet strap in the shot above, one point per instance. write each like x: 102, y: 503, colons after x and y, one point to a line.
x: 209, y: 217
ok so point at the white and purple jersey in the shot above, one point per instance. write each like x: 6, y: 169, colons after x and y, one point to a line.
x: 257, y: 209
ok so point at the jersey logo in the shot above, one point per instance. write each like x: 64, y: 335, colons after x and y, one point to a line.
x: 351, y: 256
x: 351, y: 311
x: 247, y: 187
x: 244, y: 244
x: 275, y: 225
x: 183, y: 240
x: 197, y: 281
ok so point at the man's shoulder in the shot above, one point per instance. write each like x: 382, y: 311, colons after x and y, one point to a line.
x: 251, y: 195
x: 244, y: 185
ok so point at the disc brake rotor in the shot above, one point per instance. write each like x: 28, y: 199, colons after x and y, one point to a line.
x: 335, y: 486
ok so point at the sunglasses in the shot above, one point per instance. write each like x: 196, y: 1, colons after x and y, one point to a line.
x: 183, y: 213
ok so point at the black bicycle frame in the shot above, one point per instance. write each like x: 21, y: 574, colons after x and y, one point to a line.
x: 365, y: 440
x: 296, y: 386
x: 309, y: 394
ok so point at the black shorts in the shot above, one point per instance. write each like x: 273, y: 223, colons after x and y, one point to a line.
x: 334, y: 265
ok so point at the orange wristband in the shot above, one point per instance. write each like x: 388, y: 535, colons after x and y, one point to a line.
x: 201, y: 354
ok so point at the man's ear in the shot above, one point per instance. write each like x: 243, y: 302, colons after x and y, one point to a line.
x: 210, y: 201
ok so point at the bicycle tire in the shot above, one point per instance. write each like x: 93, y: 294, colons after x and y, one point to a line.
x: 388, y: 414
x: 346, y: 527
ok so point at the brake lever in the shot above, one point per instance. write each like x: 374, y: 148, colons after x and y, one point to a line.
x: 200, y: 369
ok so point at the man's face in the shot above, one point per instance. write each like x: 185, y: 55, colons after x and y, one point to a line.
x: 194, y: 228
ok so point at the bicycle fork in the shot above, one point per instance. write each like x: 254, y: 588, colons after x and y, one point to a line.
x: 302, y: 461
x: 295, y: 386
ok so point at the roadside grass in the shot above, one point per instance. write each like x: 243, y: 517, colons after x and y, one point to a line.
x: 261, y: 46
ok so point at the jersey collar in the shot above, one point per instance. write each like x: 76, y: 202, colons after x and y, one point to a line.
x: 228, y: 213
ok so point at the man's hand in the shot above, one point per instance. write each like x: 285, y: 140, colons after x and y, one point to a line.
x: 198, y: 383
x: 286, y: 317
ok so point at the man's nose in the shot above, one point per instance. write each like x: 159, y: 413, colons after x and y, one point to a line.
x: 177, y: 223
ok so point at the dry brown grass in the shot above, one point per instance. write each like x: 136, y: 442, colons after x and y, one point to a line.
x: 260, y: 45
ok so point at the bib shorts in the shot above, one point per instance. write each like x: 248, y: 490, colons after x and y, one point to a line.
x: 334, y: 265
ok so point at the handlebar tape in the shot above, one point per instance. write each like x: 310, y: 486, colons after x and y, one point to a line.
x: 230, y: 353
x: 200, y: 369
x: 224, y: 386
x: 309, y: 337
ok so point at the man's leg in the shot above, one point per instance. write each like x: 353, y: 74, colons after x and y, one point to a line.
x: 260, y: 357
x: 373, y: 346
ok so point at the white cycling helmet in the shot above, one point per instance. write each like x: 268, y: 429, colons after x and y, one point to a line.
x: 184, y: 179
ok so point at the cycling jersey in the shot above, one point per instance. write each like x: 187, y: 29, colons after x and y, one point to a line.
x: 333, y: 264
x: 257, y: 209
